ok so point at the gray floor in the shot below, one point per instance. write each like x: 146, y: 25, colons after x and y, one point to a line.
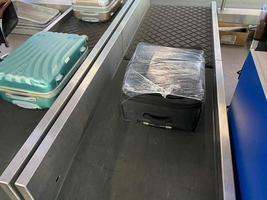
x: 255, y: 4
x: 248, y: 4
x: 233, y: 59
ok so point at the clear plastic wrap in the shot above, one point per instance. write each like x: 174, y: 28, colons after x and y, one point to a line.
x: 166, y: 71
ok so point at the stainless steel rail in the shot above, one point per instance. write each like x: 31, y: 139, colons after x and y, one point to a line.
x: 19, y: 161
x: 228, y: 186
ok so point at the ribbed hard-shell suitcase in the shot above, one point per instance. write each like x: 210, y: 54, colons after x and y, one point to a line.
x: 95, y: 10
x: 33, y: 75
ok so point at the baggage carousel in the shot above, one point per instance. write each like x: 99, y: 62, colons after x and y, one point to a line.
x: 19, y: 126
x: 87, y: 150
x: 126, y: 160
x: 121, y: 160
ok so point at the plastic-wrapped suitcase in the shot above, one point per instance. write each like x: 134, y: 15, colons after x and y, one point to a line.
x: 34, y: 74
x: 95, y: 10
x: 164, y: 87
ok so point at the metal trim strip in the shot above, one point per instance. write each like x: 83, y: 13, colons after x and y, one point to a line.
x: 228, y: 184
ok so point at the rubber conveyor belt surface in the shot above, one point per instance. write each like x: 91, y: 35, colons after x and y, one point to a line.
x: 121, y: 160
x: 93, y: 30
x: 15, y: 126
x: 176, y: 26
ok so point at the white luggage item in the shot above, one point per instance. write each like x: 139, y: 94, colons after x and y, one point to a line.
x: 93, y: 11
x: 35, y: 13
x: 98, y: 3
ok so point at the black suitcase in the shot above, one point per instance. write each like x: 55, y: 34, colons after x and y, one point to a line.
x: 142, y: 103
x: 170, y: 112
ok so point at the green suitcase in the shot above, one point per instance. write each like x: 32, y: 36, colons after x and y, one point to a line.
x: 33, y: 75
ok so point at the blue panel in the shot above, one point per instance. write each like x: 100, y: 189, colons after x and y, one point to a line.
x: 248, y: 128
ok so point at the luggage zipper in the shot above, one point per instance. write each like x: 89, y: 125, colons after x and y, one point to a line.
x: 170, y: 105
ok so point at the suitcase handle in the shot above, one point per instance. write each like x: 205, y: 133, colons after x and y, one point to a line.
x: 20, y: 97
x: 156, y: 118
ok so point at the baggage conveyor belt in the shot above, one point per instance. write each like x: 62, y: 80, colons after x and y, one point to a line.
x: 176, y: 26
x: 24, y: 120
x: 17, y: 124
x: 90, y: 152
x: 121, y: 160
x: 94, y: 31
